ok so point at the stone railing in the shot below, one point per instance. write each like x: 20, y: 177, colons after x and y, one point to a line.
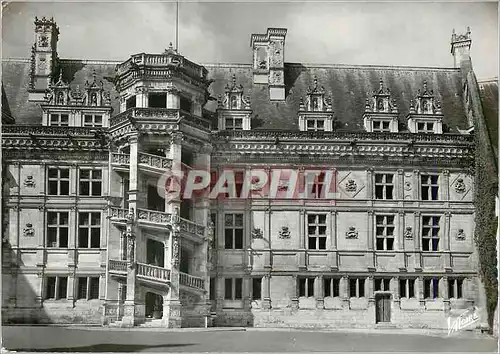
x: 163, y: 114
x: 277, y: 135
x: 35, y: 130
x: 115, y: 265
x: 153, y: 272
x: 117, y: 213
x: 121, y: 159
x: 192, y: 227
x: 191, y: 281
x: 159, y: 217
x: 155, y: 161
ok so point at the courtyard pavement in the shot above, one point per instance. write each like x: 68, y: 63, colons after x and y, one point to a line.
x: 74, y: 339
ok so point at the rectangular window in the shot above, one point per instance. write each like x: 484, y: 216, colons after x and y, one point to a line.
x: 92, y: 120
x: 384, y: 232
x: 233, y: 288
x: 233, y: 231
x: 157, y: 100
x: 384, y: 186
x: 430, y: 233
x: 234, y: 123
x: 314, y: 183
x: 455, y: 288
x: 58, y: 181
x: 306, y: 287
x: 382, y: 284
x: 331, y: 287
x: 88, y: 288
x: 131, y: 102
x: 316, y: 231
x: 89, y: 230
x: 381, y: 126
x: 256, y: 288
x: 59, y: 120
x: 185, y: 104
x: 90, y: 182
x: 213, y: 287
x: 56, y: 288
x: 426, y: 127
x: 57, y: 229
x: 431, y: 288
x: 407, y: 288
x: 356, y: 287
x: 315, y: 125
x: 429, y: 187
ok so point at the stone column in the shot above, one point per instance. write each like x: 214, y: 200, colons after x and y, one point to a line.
x: 171, y: 302
x: 419, y: 284
x: 295, y: 294
x: 399, y: 185
x: 319, y: 292
x: 344, y: 292
x: 129, y: 318
x: 416, y: 240
x: 416, y: 184
x: 333, y: 259
x: 396, y: 292
x: 371, y: 236
x: 370, y: 290
x: 173, y: 101
x: 142, y: 100
x: 369, y: 184
x: 266, y: 289
x: 173, y: 201
x: 443, y: 292
x: 444, y: 185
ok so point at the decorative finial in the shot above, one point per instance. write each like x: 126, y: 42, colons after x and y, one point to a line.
x: 60, y: 75
x: 315, y: 81
x: 367, y: 105
x: 381, y: 83
x: 170, y: 46
x: 93, y: 75
x: 234, y: 80
x: 425, y: 85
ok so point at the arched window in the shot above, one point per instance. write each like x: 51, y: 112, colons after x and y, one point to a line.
x: 233, y: 102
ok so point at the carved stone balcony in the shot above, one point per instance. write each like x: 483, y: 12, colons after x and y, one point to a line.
x: 158, y: 220
x: 191, y: 281
x: 146, y: 162
x: 145, y: 273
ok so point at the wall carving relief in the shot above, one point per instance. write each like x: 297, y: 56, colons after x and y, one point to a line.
x: 460, y: 186
x: 29, y: 182
x: 257, y: 233
x: 460, y: 235
x: 352, y: 233
x: 408, y: 232
x: 29, y: 231
x: 284, y: 232
x: 351, y: 186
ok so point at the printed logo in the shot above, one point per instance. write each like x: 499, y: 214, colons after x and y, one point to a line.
x: 464, y: 320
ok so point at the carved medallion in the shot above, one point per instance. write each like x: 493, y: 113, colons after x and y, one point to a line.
x: 460, y: 235
x: 284, y: 232
x: 408, y: 232
x: 460, y: 186
x: 29, y: 182
x: 351, y: 186
x: 257, y: 233
x: 43, y: 41
x: 29, y: 231
x: 407, y: 186
x: 351, y: 233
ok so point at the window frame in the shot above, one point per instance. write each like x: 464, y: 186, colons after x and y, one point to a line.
x: 385, y: 236
x: 381, y: 129
x: 431, y: 240
x: 90, y: 181
x: 314, y: 127
x: 59, y: 122
x: 304, y: 286
x: 233, y: 228
x: 333, y: 286
x: 59, y: 180
x: 359, y: 289
x: 404, y: 283
x: 88, y: 287
x: 233, y: 286
x: 430, y: 187
x: 58, y: 226
x: 236, y: 123
x: 259, y: 281
x: 431, y: 288
x: 320, y: 239
x: 382, y: 284
x: 57, y: 288
x: 384, y: 185
x: 426, y: 129
x: 92, y: 123
x: 90, y: 227
x: 456, y: 288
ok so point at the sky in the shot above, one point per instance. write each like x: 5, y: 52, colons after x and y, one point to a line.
x: 367, y: 33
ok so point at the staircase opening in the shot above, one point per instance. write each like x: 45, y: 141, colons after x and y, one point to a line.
x: 155, y: 253
x: 155, y: 202
x: 184, y: 265
x: 154, y: 305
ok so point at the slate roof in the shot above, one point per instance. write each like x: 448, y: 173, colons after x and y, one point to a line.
x: 348, y: 86
x: 488, y: 90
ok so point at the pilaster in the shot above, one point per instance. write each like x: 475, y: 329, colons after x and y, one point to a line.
x: 266, y: 304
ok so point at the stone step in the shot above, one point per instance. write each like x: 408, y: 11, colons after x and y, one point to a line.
x: 151, y: 323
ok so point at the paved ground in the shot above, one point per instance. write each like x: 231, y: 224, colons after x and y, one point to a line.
x: 64, y: 339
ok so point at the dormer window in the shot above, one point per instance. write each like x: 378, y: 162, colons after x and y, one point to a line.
x: 92, y: 120
x: 233, y: 123
x: 315, y: 124
x: 381, y: 113
x: 59, y: 120
x: 425, y: 114
x: 315, y: 111
x: 381, y: 126
x: 234, y: 109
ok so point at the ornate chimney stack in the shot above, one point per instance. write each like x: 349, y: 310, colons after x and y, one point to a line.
x: 460, y: 47
x: 44, y: 61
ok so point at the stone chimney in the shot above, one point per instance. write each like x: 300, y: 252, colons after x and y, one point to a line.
x: 460, y: 48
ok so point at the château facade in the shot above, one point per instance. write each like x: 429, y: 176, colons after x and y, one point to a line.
x: 90, y: 236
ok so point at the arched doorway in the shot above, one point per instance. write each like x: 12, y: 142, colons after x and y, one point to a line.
x: 154, y: 305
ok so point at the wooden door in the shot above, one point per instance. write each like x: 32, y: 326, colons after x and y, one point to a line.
x: 383, y: 308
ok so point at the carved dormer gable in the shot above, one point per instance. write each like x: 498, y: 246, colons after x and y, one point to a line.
x: 425, y: 114
x: 315, y: 109
x: 58, y: 92
x: 381, y: 112
x: 234, y: 109
x: 64, y: 106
